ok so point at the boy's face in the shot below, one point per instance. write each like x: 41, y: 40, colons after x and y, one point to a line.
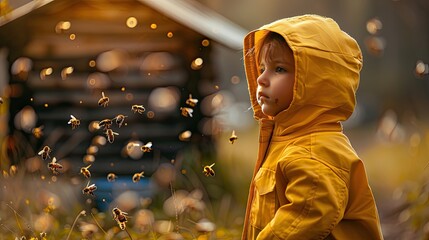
x: 276, y: 79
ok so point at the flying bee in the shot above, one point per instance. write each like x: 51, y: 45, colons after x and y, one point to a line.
x: 111, y: 177
x: 233, y: 137
x: 119, y: 119
x: 147, y: 147
x: 105, y: 123
x: 89, y: 189
x: 111, y: 135
x: 208, y: 170
x: 85, y: 171
x: 54, y: 166
x: 120, y: 217
x: 191, y: 101
x: 104, y: 101
x: 37, y: 132
x: 186, y: 112
x: 138, y: 109
x: 137, y: 176
x: 74, y: 122
x: 45, y: 152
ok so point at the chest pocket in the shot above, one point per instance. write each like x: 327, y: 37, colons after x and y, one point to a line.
x: 263, y: 205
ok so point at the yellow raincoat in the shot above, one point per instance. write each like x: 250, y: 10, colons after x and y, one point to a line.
x: 308, y: 182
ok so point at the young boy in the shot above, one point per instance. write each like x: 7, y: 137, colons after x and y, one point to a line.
x: 308, y: 182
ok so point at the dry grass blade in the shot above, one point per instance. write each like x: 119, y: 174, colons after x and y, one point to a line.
x: 96, y: 222
x: 83, y: 212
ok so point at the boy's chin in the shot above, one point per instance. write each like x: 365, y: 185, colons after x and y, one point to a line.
x: 268, y: 112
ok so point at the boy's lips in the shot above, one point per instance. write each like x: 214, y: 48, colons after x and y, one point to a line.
x: 262, y: 97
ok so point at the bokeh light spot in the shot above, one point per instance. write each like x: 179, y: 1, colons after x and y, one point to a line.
x: 91, y: 63
x: 197, y: 64
x: 185, y: 136
x: 132, y: 22
x: 373, y: 25
x: 62, y: 26
x: 205, y: 42
x: 235, y: 80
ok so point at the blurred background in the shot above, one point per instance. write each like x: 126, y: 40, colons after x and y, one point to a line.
x: 182, y: 61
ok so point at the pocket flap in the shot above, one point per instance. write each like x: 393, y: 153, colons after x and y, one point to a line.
x: 265, y: 181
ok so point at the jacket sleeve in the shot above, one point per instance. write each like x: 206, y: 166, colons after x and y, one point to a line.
x: 313, y: 203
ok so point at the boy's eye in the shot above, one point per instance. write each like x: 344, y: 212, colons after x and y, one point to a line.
x: 280, y: 69
x: 261, y: 70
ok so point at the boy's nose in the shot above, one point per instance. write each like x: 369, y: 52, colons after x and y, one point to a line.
x: 262, y: 80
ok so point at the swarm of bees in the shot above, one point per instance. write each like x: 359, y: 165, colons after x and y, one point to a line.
x: 120, y: 217
x: 233, y: 137
x: 191, y: 101
x: 37, y: 132
x: 54, y: 166
x: 119, y: 119
x: 111, y: 177
x: 105, y: 123
x: 147, y: 147
x: 74, y: 122
x: 138, y: 109
x: 85, y: 171
x: 106, y: 126
x: 111, y: 135
x: 89, y: 189
x: 104, y: 101
x: 137, y: 176
x: 187, y: 111
x: 208, y: 170
x: 45, y: 152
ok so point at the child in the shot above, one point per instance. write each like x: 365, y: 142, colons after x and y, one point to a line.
x: 308, y: 182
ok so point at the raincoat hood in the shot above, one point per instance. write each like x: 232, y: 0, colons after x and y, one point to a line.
x: 327, y: 66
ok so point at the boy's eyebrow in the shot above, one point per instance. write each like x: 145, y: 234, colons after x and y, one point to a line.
x: 280, y: 60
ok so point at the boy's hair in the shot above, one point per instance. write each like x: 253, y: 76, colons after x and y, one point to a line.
x: 271, y: 41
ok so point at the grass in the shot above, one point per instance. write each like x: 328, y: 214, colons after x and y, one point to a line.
x: 37, y: 206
